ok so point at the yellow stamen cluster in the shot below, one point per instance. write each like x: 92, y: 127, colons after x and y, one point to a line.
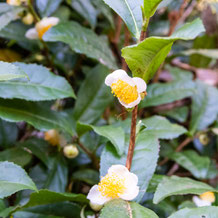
x: 125, y: 92
x: 208, y: 196
x: 112, y: 185
x: 41, y: 30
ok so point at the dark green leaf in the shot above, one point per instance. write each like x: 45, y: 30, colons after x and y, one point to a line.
x: 16, y: 155
x: 42, y: 85
x: 83, y: 41
x: 35, y: 114
x: 93, y: 96
x: 145, y: 58
x: 125, y: 209
x: 47, y: 7
x: 159, y: 93
x: 162, y: 128
x: 89, y: 176
x: 13, y: 178
x: 155, y: 180
x: 6, y: 138
x: 130, y: 12
x: 9, y: 71
x: 203, y: 212
x: 179, y: 186
x: 204, y: 107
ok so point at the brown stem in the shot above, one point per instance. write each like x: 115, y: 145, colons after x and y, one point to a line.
x: 174, y: 168
x: 132, y: 138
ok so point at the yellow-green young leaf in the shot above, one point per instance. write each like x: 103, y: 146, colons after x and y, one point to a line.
x: 124, y: 209
x: 82, y: 40
x: 35, y: 114
x: 42, y: 85
x: 150, y: 7
x: 203, y: 212
x: 9, y: 71
x: 145, y: 58
x: 8, y: 13
x: 179, y: 186
x: 130, y: 12
x: 13, y: 178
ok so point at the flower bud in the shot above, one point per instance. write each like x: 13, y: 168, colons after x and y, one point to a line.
x: 95, y: 207
x: 52, y: 136
x: 204, y: 139
x: 28, y: 19
x: 70, y: 151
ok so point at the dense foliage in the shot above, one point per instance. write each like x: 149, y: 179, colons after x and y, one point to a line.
x: 61, y: 128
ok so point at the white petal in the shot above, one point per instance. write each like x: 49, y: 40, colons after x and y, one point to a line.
x: 132, y: 190
x: 132, y: 104
x: 140, y: 83
x: 53, y: 20
x: 119, y: 170
x: 113, y: 77
x: 95, y: 196
x: 200, y: 203
x: 32, y: 34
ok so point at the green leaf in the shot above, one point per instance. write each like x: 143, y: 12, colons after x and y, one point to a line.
x: 114, y: 134
x: 210, y: 53
x: 55, y: 210
x: 180, y: 113
x: 83, y: 41
x: 16, y: 155
x: 47, y: 197
x: 155, y: 180
x: 8, y: 13
x: 35, y: 114
x: 144, y: 159
x: 179, y: 186
x: 130, y: 12
x: 204, y: 212
x: 150, y: 7
x: 204, y: 107
x: 159, y: 93
x: 9, y: 71
x: 13, y: 178
x: 198, y: 165
x: 93, y: 96
x: 145, y: 58
x: 6, y: 138
x: 42, y: 85
x: 124, y: 209
x: 86, y: 10
x: 47, y: 7
x: 89, y: 176
x: 162, y: 128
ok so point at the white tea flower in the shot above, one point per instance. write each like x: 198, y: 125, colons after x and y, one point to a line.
x: 205, y: 199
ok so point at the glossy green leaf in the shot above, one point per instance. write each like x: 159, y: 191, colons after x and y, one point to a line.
x: 42, y: 85
x: 86, y: 10
x: 6, y: 138
x: 210, y: 212
x: 162, y: 93
x: 93, y: 96
x: 150, y: 7
x: 83, y: 41
x: 155, y: 180
x: 204, y: 107
x: 130, y: 12
x: 198, y: 165
x: 124, y: 209
x: 89, y: 176
x: 13, y: 178
x: 8, y: 13
x: 145, y: 58
x: 179, y: 186
x: 16, y: 155
x: 35, y: 114
x: 9, y: 71
x: 162, y: 128
x: 144, y: 159
x: 47, y: 7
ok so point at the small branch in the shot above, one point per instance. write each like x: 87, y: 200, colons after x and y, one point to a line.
x: 132, y: 138
x: 174, y: 168
x: 32, y: 11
